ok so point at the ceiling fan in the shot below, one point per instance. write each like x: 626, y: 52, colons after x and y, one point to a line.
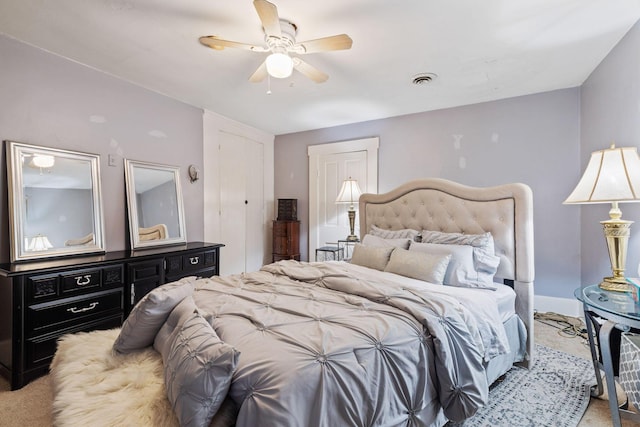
x: 280, y: 39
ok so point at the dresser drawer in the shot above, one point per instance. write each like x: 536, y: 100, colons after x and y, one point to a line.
x: 41, y: 349
x: 81, y: 280
x: 68, y: 311
x: 42, y: 287
x: 180, y: 264
x: 192, y: 262
x: 146, y: 270
x: 66, y: 283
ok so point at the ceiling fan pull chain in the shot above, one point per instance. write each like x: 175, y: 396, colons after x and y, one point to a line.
x: 268, y: 84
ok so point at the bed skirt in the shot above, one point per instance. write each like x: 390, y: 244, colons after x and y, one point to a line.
x: 517, y: 335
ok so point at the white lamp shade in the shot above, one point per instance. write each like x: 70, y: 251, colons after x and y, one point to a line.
x: 279, y: 65
x: 39, y: 243
x: 612, y: 175
x: 350, y: 192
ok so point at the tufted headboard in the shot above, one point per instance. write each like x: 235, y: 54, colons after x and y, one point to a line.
x: 506, y: 211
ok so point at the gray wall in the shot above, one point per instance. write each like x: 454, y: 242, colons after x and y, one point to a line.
x: 50, y: 101
x: 159, y: 205
x: 532, y: 139
x: 58, y: 214
x: 610, y: 112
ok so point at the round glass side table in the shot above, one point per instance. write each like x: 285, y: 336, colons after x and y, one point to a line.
x: 604, y: 311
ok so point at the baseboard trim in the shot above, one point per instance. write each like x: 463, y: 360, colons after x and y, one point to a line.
x: 566, y: 306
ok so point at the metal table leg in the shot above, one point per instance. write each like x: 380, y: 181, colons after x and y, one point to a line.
x: 591, y: 335
x: 607, y: 364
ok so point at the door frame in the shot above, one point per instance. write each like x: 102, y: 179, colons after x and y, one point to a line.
x: 370, y: 145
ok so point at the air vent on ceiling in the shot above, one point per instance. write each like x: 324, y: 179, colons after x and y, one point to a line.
x: 424, y: 78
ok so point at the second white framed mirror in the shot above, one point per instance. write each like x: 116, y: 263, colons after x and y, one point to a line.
x: 155, y: 205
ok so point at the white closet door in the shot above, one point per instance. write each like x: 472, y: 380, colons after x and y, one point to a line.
x: 232, y: 206
x: 255, y: 230
x: 242, y: 206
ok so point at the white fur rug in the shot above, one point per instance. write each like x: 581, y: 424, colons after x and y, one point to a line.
x: 94, y: 387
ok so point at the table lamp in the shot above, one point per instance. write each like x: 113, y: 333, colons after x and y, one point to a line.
x: 39, y: 243
x: 612, y: 176
x: 350, y: 193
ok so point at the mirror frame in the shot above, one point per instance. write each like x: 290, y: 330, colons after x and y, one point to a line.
x: 17, y: 209
x: 132, y: 205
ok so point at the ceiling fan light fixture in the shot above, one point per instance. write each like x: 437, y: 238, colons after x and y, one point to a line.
x: 42, y: 161
x: 279, y: 65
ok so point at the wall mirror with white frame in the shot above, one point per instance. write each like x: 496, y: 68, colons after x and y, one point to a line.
x: 154, y: 203
x: 55, y: 202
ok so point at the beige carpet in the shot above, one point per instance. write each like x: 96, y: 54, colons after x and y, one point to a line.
x: 31, y: 405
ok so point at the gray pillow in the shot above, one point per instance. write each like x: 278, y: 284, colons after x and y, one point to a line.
x: 180, y: 313
x: 419, y: 265
x: 375, y: 257
x: 198, y: 365
x: 371, y: 240
x: 405, y: 233
x: 485, y: 259
x: 149, y: 314
x: 461, y: 271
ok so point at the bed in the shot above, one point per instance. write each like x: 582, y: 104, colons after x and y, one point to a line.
x: 506, y: 211
x: 337, y: 343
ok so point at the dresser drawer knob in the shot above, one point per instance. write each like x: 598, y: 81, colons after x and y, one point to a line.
x: 194, y: 260
x: 76, y: 310
x: 83, y: 280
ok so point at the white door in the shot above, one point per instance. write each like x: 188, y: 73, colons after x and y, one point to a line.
x: 333, y: 169
x: 255, y: 229
x: 329, y: 165
x: 241, y: 168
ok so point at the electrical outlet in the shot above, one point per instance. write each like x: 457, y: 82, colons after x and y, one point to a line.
x: 111, y: 160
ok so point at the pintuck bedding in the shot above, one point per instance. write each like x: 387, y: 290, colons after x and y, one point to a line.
x: 339, y: 344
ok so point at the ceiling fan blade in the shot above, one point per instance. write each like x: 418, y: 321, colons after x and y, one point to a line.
x: 260, y: 74
x: 310, y: 71
x: 268, y: 13
x: 338, y: 42
x: 218, y: 44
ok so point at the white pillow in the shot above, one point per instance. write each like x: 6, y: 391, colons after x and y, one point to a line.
x: 371, y: 240
x: 461, y: 271
x: 375, y: 257
x: 406, y: 233
x: 484, y: 257
x: 419, y: 265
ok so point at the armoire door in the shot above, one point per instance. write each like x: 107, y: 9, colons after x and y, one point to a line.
x: 241, y: 168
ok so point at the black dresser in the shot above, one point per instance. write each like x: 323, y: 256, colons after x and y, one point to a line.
x: 41, y: 301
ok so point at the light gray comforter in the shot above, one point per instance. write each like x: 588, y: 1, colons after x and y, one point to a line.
x: 332, y: 344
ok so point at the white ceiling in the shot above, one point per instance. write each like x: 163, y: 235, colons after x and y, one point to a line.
x: 480, y: 51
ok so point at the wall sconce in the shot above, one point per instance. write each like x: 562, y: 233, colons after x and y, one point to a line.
x: 194, y: 173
